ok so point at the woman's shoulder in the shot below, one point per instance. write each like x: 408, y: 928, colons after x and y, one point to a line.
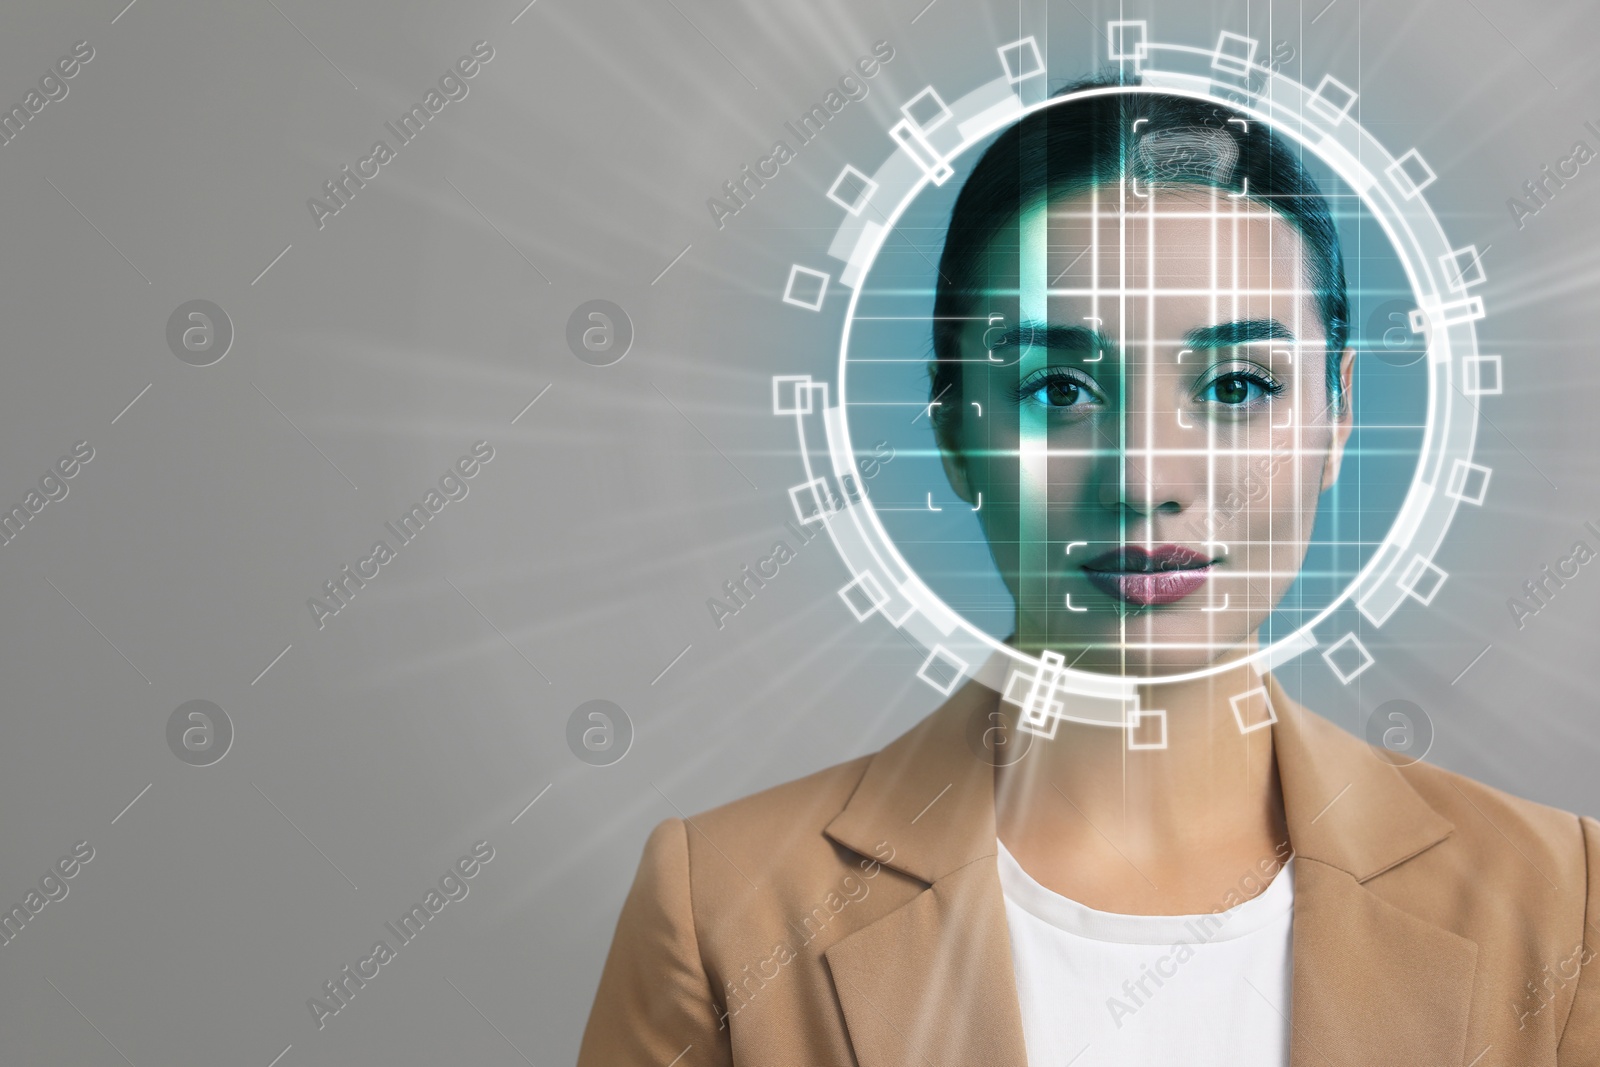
x: 1506, y: 863
x: 787, y: 813
x: 1498, y: 827
x: 1483, y: 811
x: 831, y: 821
x: 1483, y: 824
x: 1521, y: 880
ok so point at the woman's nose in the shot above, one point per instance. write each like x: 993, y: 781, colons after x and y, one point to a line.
x: 1148, y: 464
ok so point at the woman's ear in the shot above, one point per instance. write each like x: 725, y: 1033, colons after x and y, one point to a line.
x: 945, y: 418
x: 1343, y: 420
x: 948, y: 438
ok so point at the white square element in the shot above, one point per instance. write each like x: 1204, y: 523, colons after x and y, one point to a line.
x: 1234, y: 53
x: 868, y: 240
x: 863, y: 596
x: 1029, y: 63
x: 1468, y: 482
x: 1138, y: 732
x: 1468, y: 310
x: 820, y: 495
x: 1422, y: 580
x: 1482, y: 374
x: 863, y: 187
x: 921, y: 151
x: 949, y: 663
x: 1462, y: 268
x: 1037, y: 696
x: 1126, y: 39
x: 927, y: 111
x: 1260, y: 710
x: 797, y: 389
x: 1040, y: 697
x: 814, y: 278
x: 1046, y: 730
x: 1411, y: 174
x: 1334, y: 109
x: 1456, y: 311
x: 1353, y: 650
x: 1014, y: 691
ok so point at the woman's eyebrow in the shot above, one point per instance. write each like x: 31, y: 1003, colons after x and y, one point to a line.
x: 1056, y: 335
x: 1238, y: 332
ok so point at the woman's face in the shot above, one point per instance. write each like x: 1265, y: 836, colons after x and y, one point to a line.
x: 1144, y: 422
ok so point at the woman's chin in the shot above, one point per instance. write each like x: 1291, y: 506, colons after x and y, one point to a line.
x: 1138, y: 647
x: 1144, y: 663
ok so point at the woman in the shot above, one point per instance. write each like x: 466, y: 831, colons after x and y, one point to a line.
x: 1141, y: 366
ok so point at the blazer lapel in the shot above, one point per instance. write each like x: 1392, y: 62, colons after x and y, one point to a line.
x: 1372, y: 984
x: 931, y: 983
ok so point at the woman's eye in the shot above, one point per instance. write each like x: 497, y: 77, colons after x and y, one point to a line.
x: 1058, y: 392
x: 1236, y: 390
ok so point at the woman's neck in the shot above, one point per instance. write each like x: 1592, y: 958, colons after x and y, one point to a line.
x: 1160, y: 829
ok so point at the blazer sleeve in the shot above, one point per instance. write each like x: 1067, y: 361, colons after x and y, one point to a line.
x: 654, y: 1006
x: 1580, y: 1038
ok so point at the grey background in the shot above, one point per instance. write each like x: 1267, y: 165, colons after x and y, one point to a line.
x: 423, y: 317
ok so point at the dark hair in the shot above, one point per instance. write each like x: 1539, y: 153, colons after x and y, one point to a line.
x: 1070, y: 146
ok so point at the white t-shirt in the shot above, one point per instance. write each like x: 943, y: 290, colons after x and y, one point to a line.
x: 1099, y: 989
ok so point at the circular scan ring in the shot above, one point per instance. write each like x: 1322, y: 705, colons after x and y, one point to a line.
x: 1441, y: 277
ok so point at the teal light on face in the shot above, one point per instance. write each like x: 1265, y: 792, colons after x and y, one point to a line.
x: 1033, y: 425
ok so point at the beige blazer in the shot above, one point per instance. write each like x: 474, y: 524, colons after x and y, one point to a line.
x: 854, y: 917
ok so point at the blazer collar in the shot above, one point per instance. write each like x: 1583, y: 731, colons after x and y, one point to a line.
x: 932, y: 982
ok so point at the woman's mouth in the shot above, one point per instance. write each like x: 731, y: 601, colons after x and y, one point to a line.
x: 1148, y: 577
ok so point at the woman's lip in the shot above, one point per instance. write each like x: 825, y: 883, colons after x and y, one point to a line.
x: 1133, y: 558
x: 1147, y: 588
